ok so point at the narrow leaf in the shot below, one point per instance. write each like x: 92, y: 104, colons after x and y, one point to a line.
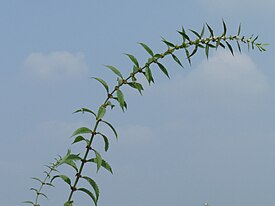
x: 112, y: 128
x: 37, y: 179
x: 28, y: 202
x: 81, y: 130
x: 239, y: 30
x: 103, y: 83
x: 115, y: 70
x: 99, y: 159
x: 210, y: 30
x: 188, y: 56
x: 101, y: 112
x: 183, y: 34
x: 207, y: 50
x: 63, y: 177
x: 230, y: 48
x: 106, y: 141
x: 133, y: 59
x: 194, y: 51
x: 78, y: 139
x: 148, y: 75
x: 85, y: 110
x: 147, y: 48
x: 176, y: 60
x: 169, y: 44
x: 239, y: 47
x: 196, y: 33
x: 120, y: 98
x: 104, y: 164
x: 136, y: 85
x: 202, y: 31
x: 224, y: 28
x: 93, y: 184
x: 163, y: 69
x: 91, y: 195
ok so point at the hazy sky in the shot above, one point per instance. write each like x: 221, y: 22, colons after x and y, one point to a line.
x: 206, y: 135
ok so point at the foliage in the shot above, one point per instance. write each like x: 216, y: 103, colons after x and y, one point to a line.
x: 115, y: 97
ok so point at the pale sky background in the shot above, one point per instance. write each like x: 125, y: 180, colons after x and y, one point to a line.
x: 206, y: 135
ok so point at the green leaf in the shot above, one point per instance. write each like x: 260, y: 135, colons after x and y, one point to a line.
x: 63, y: 177
x: 93, y: 184
x: 196, y: 33
x: 230, y: 48
x: 224, y: 28
x: 103, y: 83
x: 133, y: 59
x: 163, y: 69
x: 91, y: 195
x: 115, y: 70
x: 202, y: 31
x: 112, y: 128
x: 106, y: 141
x: 183, y: 34
x: 104, y: 164
x: 101, y: 112
x: 42, y: 194
x: 176, y: 60
x: 81, y: 130
x: 194, y: 51
x: 148, y: 75
x: 239, y: 47
x: 147, y: 48
x: 169, y: 44
x: 37, y: 179
x: 78, y: 139
x: 210, y: 30
x: 68, y: 203
x: 99, y: 159
x: 136, y: 85
x: 188, y: 56
x: 207, y: 50
x: 239, y: 30
x: 85, y: 110
x: 120, y: 98
x: 28, y: 202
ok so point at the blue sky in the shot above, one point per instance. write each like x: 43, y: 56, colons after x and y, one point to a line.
x: 206, y: 135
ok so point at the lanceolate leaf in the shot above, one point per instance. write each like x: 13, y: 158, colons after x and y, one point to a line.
x: 183, y: 34
x: 147, y: 49
x: 63, y: 177
x: 93, y: 184
x: 136, y: 85
x: 239, y: 30
x: 202, y: 31
x: 112, y: 128
x: 28, y: 202
x: 169, y: 44
x: 81, y: 130
x: 239, y: 47
x: 120, y: 98
x: 115, y: 70
x: 224, y: 28
x: 148, y: 75
x: 163, y: 69
x: 104, y: 164
x: 194, y: 51
x: 106, y: 141
x: 37, y: 179
x: 101, y: 112
x: 230, y: 48
x: 78, y: 139
x: 85, y: 110
x: 177, y: 60
x: 196, y: 33
x: 207, y: 50
x: 103, y: 83
x: 210, y: 30
x: 98, y: 159
x: 89, y: 193
x: 133, y: 59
